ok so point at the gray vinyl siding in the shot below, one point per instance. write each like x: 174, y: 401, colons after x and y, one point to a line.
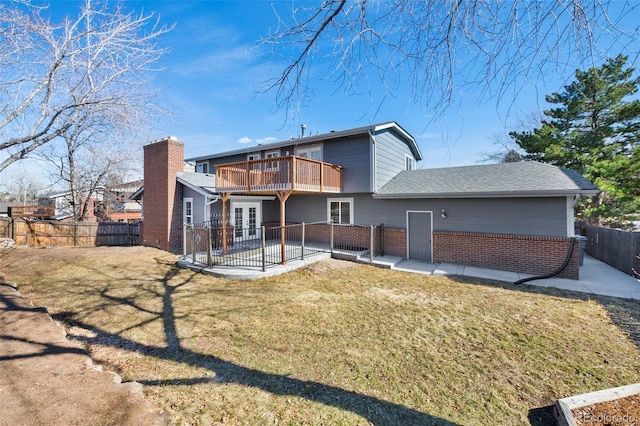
x: 390, y: 157
x: 271, y: 211
x: 353, y: 155
x: 519, y: 216
x: 198, y: 204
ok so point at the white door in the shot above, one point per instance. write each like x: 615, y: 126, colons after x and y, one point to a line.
x: 246, y: 220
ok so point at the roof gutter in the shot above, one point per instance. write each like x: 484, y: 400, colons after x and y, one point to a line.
x: 501, y: 194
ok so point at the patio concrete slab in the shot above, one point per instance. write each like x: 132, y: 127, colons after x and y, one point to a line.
x: 253, y: 273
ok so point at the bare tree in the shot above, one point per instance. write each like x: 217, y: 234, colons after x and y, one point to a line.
x: 53, y: 74
x: 507, y: 151
x: 93, y: 153
x: 440, y: 45
x: 23, y: 188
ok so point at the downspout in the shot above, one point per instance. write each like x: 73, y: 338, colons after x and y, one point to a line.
x: 576, y: 198
x: 214, y: 199
x: 557, y: 271
x: 373, y: 175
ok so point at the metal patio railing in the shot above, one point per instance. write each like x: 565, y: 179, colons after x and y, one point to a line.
x: 273, y: 245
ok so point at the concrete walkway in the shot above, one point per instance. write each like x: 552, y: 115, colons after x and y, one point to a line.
x: 595, y: 277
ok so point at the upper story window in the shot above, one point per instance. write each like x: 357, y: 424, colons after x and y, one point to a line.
x: 202, y: 168
x: 410, y: 162
x: 311, y: 152
x: 272, y: 165
x: 253, y: 157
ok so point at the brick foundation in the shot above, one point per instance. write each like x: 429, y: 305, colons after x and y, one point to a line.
x: 517, y: 253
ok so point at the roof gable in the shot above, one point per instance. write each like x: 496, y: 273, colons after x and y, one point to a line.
x: 522, y: 179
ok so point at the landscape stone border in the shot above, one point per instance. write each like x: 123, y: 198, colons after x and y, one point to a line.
x: 563, y: 407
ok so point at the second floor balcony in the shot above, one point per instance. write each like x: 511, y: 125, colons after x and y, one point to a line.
x: 290, y: 173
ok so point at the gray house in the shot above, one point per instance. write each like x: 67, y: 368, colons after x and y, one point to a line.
x: 514, y: 216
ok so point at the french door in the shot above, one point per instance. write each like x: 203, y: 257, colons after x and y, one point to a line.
x: 246, y: 220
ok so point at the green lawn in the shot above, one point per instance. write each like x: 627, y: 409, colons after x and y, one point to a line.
x: 335, y: 343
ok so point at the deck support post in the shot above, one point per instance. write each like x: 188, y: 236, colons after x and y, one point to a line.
x: 224, y: 197
x: 283, y: 196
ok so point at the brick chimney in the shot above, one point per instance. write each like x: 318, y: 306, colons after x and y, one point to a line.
x: 162, y: 197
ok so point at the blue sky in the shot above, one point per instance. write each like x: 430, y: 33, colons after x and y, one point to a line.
x: 214, y: 68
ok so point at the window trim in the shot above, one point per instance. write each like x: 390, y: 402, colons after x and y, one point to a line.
x: 184, y: 210
x: 200, y: 168
x: 308, y: 149
x: 272, y: 165
x: 340, y: 200
x: 412, y: 165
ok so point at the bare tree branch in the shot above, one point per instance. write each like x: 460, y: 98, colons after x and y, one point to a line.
x: 443, y: 46
x: 97, y: 63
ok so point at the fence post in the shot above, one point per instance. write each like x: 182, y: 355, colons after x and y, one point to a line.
x: 75, y: 234
x: 331, y: 238
x: 209, y: 244
x: 302, y: 239
x: 264, y: 243
x: 193, y: 243
x: 372, y: 246
x: 184, y: 240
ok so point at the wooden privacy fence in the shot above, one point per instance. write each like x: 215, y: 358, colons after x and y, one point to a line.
x: 619, y: 249
x: 52, y: 233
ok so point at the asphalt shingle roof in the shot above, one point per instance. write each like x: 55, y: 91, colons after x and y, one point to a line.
x: 526, y: 178
x: 204, y: 181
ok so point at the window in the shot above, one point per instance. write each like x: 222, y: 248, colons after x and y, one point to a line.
x: 253, y: 157
x: 272, y: 165
x: 311, y: 152
x: 202, y: 168
x: 410, y: 162
x: 187, y: 210
x: 340, y: 211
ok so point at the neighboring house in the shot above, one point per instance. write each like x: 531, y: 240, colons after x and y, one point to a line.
x: 63, y: 209
x: 118, y: 203
x: 513, y: 216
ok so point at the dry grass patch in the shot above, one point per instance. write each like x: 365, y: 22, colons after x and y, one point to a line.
x: 334, y: 343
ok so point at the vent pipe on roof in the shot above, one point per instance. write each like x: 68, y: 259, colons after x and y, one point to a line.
x: 303, y: 127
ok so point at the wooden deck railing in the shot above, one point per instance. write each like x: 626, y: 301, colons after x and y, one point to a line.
x: 268, y: 175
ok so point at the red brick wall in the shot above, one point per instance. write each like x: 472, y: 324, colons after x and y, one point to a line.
x: 517, y: 253
x: 162, y: 196
x: 395, y: 242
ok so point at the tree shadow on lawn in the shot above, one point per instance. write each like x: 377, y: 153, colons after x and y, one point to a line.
x: 375, y: 410
x: 625, y: 313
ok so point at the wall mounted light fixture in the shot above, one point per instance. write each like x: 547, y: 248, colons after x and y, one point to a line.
x: 443, y: 214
